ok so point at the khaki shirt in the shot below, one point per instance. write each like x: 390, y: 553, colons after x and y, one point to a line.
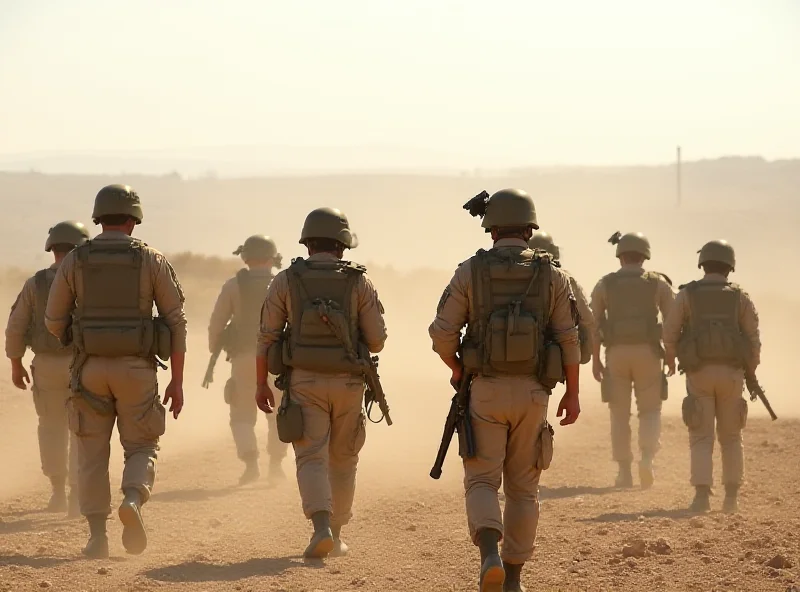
x: 228, y: 306
x: 665, y: 297
x: 21, y: 318
x: 587, y: 318
x: 680, y: 316
x: 278, y: 310
x: 454, y: 309
x: 158, y: 285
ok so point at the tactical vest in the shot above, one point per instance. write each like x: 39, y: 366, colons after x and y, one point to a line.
x: 108, y: 320
x: 509, y: 314
x: 323, y: 331
x: 631, y: 310
x: 252, y: 293
x: 713, y: 334
x: 41, y: 341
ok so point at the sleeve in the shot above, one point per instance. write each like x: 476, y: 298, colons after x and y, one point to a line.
x: 673, y: 323
x: 169, y: 299
x: 370, y: 315
x: 274, y: 313
x: 562, y: 321
x: 587, y: 318
x: 222, y: 313
x: 19, y: 321
x: 61, y: 300
x: 598, y: 306
x: 748, y: 321
x: 452, y: 313
x: 666, y: 297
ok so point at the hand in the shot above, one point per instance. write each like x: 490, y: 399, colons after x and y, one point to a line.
x: 570, y: 407
x: 598, y: 370
x: 457, y: 376
x: 174, y: 394
x: 265, y: 399
x: 19, y: 376
x: 670, y: 363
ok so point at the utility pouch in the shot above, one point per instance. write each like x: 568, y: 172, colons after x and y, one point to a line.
x: 545, y: 447
x: 289, y: 420
x: 553, y: 371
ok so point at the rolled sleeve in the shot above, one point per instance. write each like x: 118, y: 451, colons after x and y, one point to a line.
x: 452, y: 313
x: 169, y: 300
x: 598, y: 307
x: 748, y: 321
x: 20, y: 320
x: 274, y: 313
x: 370, y: 315
x: 563, y: 325
x: 222, y: 313
x: 61, y: 300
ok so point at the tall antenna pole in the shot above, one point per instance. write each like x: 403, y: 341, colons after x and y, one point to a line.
x: 678, y: 188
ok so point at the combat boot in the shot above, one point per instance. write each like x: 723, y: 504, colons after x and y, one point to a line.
x: 251, y: 471
x: 276, y: 474
x: 513, y: 575
x: 58, y: 499
x: 701, y: 502
x: 322, y: 542
x: 97, y: 547
x: 646, y: 472
x: 134, y: 535
x: 340, y: 548
x: 73, y: 503
x: 493, y: 575
x: 625, y: 476
x: 731, y: 503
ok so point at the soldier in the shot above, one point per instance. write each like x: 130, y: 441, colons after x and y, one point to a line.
x: 713, y: 330
x: 514, y: 372
x: 543, y: 240
x: 102, y: 300
x: 330, y: 305
x: 626, y: 304
x: 241, y: 300
x: 49, y: 368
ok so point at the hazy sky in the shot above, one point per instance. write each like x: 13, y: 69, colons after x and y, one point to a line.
x: 479, y: 83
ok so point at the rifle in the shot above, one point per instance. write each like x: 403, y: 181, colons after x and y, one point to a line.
x: 374, y: 393
x: 222, y: 342
x: 458, y: 420
x: 756, y: 391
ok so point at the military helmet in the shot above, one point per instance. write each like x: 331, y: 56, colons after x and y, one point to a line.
x: 68, y: 232
x: 328, y: 223
x: 117, y: 199
x: 258, y: 246
x: 717, y: 250
x: 510, y: 207
x: 632, y: 242
x: 543, y: 240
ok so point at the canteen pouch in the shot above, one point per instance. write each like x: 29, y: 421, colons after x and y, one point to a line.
x: 691, y: 412
x: 289, y: 420
x: 230, y: 386
x: 553, y: 371
x: 544, y: 448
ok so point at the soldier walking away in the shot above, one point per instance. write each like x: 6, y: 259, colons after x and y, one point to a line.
x: 626, y: 304
x: 713, y: 330
x: 240, y: 303
x: 102, y: 301
x: 521, y: 338
x: 49, y: 368
x: 544, y: 241
x: 333, y: 314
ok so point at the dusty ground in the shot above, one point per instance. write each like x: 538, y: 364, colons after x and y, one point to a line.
x: 409, y: 532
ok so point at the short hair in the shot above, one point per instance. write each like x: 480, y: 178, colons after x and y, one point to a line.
x: 115, y: 219
x: 717, y: 267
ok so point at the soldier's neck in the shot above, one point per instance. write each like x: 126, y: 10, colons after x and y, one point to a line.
x: 58, y: 257
x: 122, y: 229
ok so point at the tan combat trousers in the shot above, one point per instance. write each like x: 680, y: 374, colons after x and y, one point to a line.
x: 58, y: 449
x: 244, y: 412
x: 508, y: 415
x: 718, y: 390
x: 140, y: 417
x: 334, y: 432
x: 634, y: 368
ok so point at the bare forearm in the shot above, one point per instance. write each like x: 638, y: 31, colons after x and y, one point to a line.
x: 572, y: 373
x: 452, y: 362
x: 178, y: 359
x: 262, y: 370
